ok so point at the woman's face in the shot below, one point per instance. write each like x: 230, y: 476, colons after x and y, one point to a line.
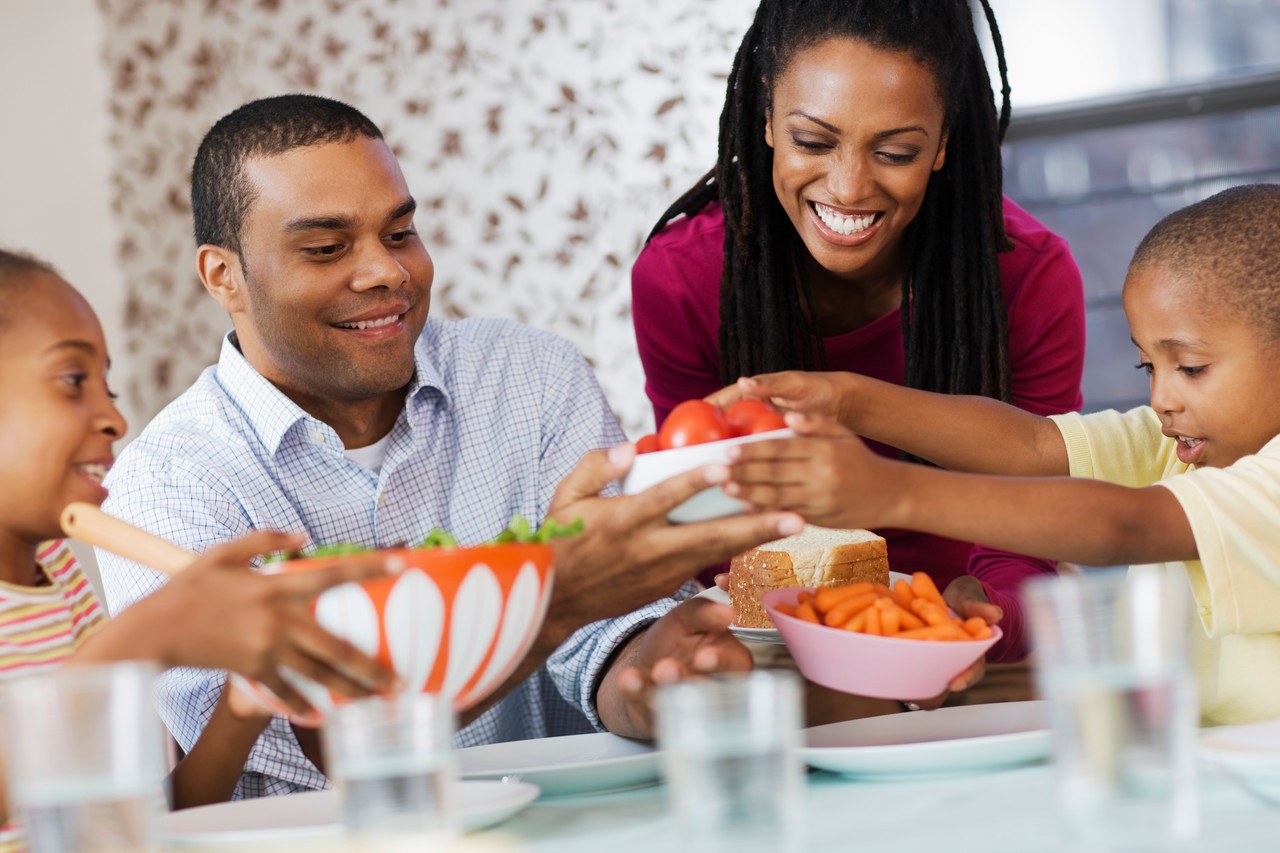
x: 856, y: 131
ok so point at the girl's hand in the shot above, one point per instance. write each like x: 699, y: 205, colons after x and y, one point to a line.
x: 826, y: 474
x: 794, y: 391
x: 220, y: 614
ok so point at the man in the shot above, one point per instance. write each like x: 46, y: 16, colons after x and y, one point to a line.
x: 337, y: 409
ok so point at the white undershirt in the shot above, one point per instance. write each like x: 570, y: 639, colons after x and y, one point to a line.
x: 370, y: 457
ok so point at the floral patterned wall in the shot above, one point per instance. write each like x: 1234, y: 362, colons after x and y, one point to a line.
x: 542, y: 139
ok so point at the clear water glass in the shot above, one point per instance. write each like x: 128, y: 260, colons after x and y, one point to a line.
x: 84, y: 758
x: 729, y: 750
x: 391, y: 758
x: 1111, y: 658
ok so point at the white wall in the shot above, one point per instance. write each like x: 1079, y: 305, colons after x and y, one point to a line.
x: 55, y: 164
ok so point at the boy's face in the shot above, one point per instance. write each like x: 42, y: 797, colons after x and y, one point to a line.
x: 1213, y: 373
x: 329, y: 246
x: 57, y: 423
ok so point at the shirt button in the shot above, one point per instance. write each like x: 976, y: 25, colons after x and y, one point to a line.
x: 317, y: 436
x: 382, y: 499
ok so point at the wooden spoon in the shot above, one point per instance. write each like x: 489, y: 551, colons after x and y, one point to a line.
x: 89, y: 524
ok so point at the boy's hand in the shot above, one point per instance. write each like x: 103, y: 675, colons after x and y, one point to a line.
x: 826, y: 474
x: 692, y: 640
x: 220, y: 614
x: 793, y: 391
x: 967, y: 597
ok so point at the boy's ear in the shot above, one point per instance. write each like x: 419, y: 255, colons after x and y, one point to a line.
x: 222, y: 276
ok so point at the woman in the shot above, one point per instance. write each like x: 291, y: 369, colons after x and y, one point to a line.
x: 854, y: 221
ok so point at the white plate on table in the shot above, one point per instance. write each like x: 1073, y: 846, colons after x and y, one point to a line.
x: 961, y: 739
x: 1251, y: 752
x: 575, y: 764
x: 764, y: 635
x: 318, y: 814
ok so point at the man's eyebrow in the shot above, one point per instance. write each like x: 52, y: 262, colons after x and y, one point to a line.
x: 406, y: 207
x: 319, y: 223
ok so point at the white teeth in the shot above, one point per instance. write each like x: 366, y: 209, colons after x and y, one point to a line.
x: 841, y: 224
x: 1190, y: 442
x: 370, y: 324
x: 94, y: 471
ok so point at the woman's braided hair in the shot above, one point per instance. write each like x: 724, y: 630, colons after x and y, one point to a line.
x: 954, y: 322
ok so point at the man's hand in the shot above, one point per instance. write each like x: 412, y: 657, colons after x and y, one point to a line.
x: 629, y: 554
x: 691, y: 640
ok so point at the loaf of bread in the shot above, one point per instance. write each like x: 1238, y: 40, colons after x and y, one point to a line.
x: 817, y: 556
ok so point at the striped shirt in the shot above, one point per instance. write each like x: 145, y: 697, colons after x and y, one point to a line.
x: 495, y: 417
x: 41, y: 626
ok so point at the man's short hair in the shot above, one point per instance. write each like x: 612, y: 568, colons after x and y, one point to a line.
x: 1229, y: 245
x: 221, y: 194
x: 13, y: 266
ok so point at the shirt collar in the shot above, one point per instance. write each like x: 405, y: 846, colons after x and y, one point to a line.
x: 271, y: 414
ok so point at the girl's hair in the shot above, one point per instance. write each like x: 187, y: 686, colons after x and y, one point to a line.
x: 13, y: 266
x: 953, y: 314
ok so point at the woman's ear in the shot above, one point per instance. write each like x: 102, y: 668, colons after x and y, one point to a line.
x: 222, y: 276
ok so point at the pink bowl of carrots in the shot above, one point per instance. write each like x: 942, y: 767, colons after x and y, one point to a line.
x: 899, y: 642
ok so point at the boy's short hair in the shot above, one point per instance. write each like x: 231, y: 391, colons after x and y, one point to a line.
x: 1230, y: 241
x: 14, y: 265
x: 221, y: 194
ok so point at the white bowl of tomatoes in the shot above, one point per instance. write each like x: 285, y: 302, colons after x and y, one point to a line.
x: 697, y: 433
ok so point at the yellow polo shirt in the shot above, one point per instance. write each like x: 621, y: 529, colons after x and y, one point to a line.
x: 1235, y: 517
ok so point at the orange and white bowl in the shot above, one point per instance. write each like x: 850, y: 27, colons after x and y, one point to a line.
x: 455, y: 621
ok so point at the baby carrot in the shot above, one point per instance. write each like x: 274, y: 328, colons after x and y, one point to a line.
x: 907, y: 620
x: 844, y: 611
x: 805, y: 595
x: 977, y: 628
x: 829, y: 596
x: 859, y: 621
x: 873, y: 621
x: 902, y: 593
x: 805, y: 611
x: 934, y: 632
x: 930, y: 612
x: 787, y: 609
x: 923, y: 586
x: 889, y: 618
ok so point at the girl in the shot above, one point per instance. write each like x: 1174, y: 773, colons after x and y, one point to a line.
x: 854, y: 221
x: 57, y: 429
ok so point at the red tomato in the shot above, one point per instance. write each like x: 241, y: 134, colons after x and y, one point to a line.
x: 693, y: 422
x: 751, y: 416
x: 647, y: 443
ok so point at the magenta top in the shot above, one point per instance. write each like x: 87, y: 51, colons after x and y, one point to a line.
x: 675, y: 291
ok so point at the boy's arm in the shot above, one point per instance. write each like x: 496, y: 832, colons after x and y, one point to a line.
x: 210, y: 772
x: 831, y: 478
x: 960, y: 433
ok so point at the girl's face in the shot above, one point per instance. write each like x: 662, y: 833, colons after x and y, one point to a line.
x: 1212, y: 372
x: 58, y: 422
x: 856, y: 132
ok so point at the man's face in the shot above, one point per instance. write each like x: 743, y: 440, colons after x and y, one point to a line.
x: 337, y: 284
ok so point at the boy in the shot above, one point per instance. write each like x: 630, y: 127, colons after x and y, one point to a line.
x: 1202, y: 297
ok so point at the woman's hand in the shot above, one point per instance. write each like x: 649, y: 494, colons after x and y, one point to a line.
x: 967, y: 597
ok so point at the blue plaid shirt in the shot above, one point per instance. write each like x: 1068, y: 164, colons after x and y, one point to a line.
x: 496, y: 415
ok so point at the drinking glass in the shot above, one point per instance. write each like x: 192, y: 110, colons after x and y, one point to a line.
x: 1111, y: 658
x: 392, y: 760
x: 84, y: 757
x: 729, y: 748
